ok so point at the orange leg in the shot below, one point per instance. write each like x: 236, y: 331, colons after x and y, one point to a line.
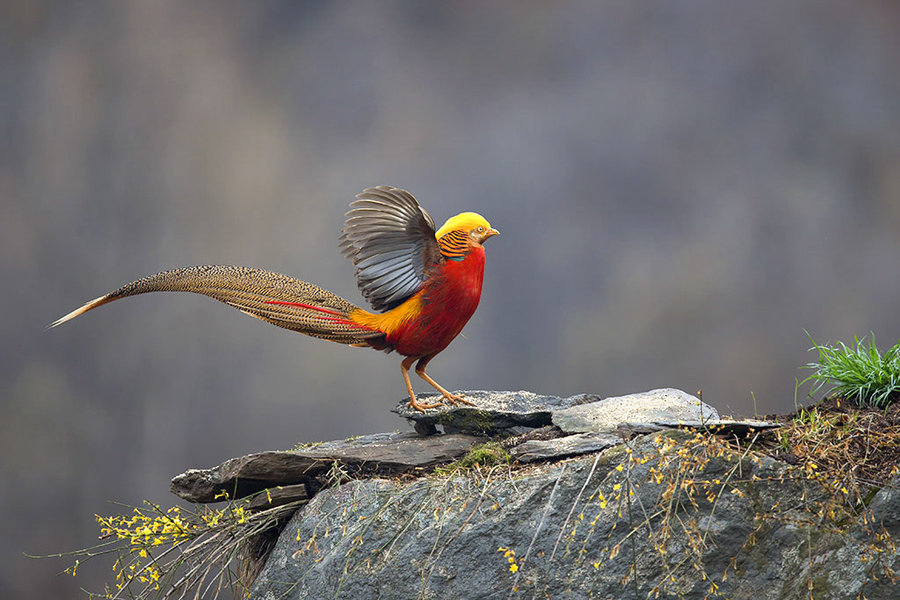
x: 451, y: 398
x: 404, y: 368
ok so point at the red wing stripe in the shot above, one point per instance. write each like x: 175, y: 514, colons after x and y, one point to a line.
x: 340, y: 318
x: 307, y: 306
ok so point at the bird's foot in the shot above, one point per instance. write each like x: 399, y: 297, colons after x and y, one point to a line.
x: 457, y: 399
x: 413, y: 403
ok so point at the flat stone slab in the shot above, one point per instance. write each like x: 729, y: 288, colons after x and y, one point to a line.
x: 493, y: 411
x: 246, y: 475
x: 389, y: 454
x: 386, y: 453
x: 571, y: 445
x: 667, y: 405
x: 279, y: 496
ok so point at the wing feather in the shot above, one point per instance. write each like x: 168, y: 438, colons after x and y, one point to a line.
x: 390, y: 239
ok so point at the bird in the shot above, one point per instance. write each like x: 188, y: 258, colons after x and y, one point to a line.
x: 422, y: 283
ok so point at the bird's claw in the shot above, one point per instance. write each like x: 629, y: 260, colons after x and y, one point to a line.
x: 453, y: 399
x: 457, y: 399
x: 421, y: 407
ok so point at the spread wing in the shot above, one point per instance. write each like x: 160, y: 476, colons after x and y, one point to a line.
x: 390, y: 239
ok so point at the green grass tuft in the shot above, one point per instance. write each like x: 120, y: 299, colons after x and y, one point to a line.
x: 482, y: 455
x: 859, y: 373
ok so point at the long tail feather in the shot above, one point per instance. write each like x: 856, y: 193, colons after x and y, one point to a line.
x: 271, y: 297
x: 79, y: 311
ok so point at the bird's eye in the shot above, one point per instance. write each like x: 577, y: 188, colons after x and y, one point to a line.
x: 481, y: 230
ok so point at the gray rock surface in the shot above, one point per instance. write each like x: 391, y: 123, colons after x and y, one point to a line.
x: 885, y: 506
x: 573, y: 529
x: 605, y: 416
x: 493, y: 411
x: 570, y: 445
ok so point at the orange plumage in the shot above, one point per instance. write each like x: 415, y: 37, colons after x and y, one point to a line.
x: 427, y: 284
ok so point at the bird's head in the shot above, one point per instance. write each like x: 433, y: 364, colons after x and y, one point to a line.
x: 476, y: 227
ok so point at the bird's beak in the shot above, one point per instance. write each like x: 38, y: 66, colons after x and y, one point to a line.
x: 491, y: 232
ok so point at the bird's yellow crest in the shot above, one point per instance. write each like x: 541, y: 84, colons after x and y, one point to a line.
x: 466, y: 221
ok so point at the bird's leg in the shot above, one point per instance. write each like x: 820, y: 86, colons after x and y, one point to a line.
x: 404, y: 368
x: 451, y: 398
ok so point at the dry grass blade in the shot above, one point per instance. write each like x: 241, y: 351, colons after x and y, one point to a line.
x: 178, y: 552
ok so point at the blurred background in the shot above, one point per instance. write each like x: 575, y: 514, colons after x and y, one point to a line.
x: 682, y: 190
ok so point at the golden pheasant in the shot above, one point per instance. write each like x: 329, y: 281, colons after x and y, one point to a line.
x: 426, y: 284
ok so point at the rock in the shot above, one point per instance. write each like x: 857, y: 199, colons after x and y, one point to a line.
x: 547, y: 432
x: 493, y: 411
x: 388, y: 453
x: 424, y: 428
x: 663, y: 405
x: 576, y: 529
x: 571, y: 445
x: 885, y: 506
x: 279, y: 496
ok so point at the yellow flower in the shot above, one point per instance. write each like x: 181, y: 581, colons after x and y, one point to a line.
x: 513, y: 568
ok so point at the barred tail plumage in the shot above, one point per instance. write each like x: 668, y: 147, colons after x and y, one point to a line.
x: 271, y: 297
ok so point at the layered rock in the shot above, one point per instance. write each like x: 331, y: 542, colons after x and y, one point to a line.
x: 628, y: 496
